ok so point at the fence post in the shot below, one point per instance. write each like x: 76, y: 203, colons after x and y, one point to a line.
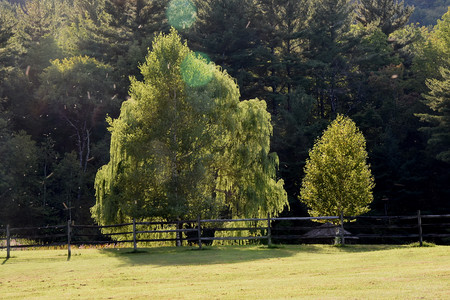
x: 69, y: 252
x: 341, y: 220
x: 134, y: 235
x: 8, y: 242
x: 419, y: 224
x: 179, y: 234
x: 199, y: 232
x: 269, y: 231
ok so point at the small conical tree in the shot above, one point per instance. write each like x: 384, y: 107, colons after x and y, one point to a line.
x: 338, y: 179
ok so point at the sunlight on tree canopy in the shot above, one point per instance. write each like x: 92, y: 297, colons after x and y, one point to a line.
x: 337, y: 177
x: 181, y: 150
x: 196, y: 70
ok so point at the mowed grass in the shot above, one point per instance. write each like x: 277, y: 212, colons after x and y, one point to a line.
x: 244, y: 272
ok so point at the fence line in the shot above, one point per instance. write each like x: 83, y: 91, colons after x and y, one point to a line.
x: 265, y: 231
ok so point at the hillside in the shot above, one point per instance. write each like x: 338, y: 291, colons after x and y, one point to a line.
x: 426, y: 12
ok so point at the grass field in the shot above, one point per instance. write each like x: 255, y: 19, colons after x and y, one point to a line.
x: 244, y: 272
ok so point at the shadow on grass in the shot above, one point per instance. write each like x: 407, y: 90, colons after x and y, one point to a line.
x: 185, y: 256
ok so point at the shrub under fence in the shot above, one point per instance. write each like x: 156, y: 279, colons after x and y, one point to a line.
x: 361, y: 229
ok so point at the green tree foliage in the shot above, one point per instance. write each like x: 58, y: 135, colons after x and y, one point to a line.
x: 394, y: 144
x: 328, y: 44
x: 6, y: 32
x: 438, y: 100
x: 374, y: 51
x: 39, y: 24
x: 281, y: 25
x: 337, y: 177
x: 226, y: 31
x: 294, y: 132
x: 119, y: 33
x: 181, y: 150
x: 19, y: 183
x: 388, y: 15
x: 80, y: 92
x: 6, y: 28
x: 308, y: 59
x: 441, y: 37
x: 426, y: 12
x: 388, y: 83
x: 14, y: 87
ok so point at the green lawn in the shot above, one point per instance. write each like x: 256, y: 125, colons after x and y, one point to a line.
x: 244, y: 272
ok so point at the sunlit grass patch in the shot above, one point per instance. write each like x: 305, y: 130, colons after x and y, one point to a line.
x: 424, y: 244
x: 230, y: 272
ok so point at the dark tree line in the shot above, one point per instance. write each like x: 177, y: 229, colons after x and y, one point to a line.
x: 65, y: 66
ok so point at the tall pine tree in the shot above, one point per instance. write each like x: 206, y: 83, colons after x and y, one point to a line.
x: 328, y: 44
x: 389, y: 15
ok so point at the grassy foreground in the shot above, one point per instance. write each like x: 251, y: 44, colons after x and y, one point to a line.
x: 313, y: 271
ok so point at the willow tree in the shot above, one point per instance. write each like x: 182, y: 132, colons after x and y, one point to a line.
x: 337, y: 178
x: 184, y: 145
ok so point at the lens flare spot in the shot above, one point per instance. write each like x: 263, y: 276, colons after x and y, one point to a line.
x: 181, y: 14
x: 196, y: 69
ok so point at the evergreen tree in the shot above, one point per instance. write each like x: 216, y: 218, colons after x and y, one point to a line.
x: 389, y: 15
x: 441, y: 38
x: 226, y: 31
x: 280, y: 61
x: 337, y: 177
x: 438, y: 100
x: 6, y: 32
x: 39, y: 23
x: 119, y: 33
x: 438, y: 97
x: 329, y: 43
x: 294, y: 133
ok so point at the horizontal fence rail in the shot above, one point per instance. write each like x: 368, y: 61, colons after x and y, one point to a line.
x: 361, y: 229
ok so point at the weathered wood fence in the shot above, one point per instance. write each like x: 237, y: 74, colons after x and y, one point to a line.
x: 368, y: 229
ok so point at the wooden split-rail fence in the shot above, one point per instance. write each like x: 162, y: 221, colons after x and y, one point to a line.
x: 366, y: 229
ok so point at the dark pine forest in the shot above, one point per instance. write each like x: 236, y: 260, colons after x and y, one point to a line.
x: 65, y: 66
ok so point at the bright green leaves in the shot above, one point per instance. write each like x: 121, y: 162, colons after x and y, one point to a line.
x: 251, y: 169
x: 184, y: 145
x: 196, y: 70
x: 438, y: 99
x: 77, y: 81
x: 442, y: 34
x: 338, y: 179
